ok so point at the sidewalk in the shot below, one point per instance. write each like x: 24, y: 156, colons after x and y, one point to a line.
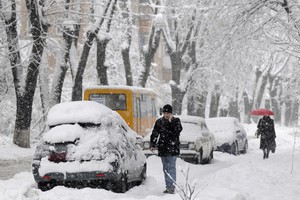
x: 13, y: 159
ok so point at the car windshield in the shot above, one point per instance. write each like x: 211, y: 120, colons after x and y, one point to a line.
x: 82, y: 124
x: 113, y: 101
x: 220, y: 126
x: 190, y: 131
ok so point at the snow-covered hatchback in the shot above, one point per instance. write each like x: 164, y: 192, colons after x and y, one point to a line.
x: 88, y: 144
x: 229, y: 133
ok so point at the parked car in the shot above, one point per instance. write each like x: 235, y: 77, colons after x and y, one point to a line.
x: 196, y: 142
x: 88, y: 144
x: 230, y: 134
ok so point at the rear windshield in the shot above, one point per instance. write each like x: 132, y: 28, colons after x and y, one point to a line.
x: 113, y: 101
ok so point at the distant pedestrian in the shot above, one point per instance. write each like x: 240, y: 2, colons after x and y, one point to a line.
x: 165, y: 136
x: 266, y: 130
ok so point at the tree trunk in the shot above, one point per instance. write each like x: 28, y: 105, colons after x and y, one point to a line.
x: 293, y: 117
x: 191, y: 105
x: 197, y: 104
x: 25, y: 94
x: 77, y: 86
x: 90, y: 36
x: 101, y: 51
x: 177, y: 94
x: 215, y: 101
x: 261, y: 92
x: 43, y: 82
x: 23, y: 119
x: 149, y: 55
x: 101, y: 68
x: 60, y: 73
x: 247, y: 107
x: 126, y: 61
x: 274, y: 84
x: 233, y: 110
x: 153, y: 44
x: 177, y: 97
x: 258, y: 74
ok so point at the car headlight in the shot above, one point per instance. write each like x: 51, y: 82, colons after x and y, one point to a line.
x: 191, y: 146
x: 146, y: 145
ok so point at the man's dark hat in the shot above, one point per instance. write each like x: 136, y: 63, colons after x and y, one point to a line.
x: 167, y: 108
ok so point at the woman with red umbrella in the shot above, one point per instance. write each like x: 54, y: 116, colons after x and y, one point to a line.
x: 267, y: 134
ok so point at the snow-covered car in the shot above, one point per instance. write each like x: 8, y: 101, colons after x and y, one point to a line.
x: 196, y: 142
x: 229, y: 133
x: 88, y: 144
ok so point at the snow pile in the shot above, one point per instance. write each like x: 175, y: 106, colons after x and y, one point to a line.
x: 78, y: 111
x: 63, y: 133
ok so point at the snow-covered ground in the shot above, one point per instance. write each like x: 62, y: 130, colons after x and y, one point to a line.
x: 228, y: 177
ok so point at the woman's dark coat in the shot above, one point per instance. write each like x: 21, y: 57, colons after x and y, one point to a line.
x: 165, y: 136
x: 267, y: 133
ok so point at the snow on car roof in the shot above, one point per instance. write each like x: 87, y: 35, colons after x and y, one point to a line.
x: 190, y: 131
x: 78, y: 111
x: 222, y: 127
x: 223, y: 124
x: 191, y: 128
x: 191, y: 119
x: 81, y: 112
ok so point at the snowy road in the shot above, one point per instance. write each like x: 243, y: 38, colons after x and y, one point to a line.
x: 14, y: 160
x: 244, y: 177
x: 8, y: 168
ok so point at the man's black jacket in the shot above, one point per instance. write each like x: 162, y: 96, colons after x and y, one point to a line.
x: 167, y: 133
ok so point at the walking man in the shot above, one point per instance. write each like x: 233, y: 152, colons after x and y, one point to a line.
x: 165, y: 136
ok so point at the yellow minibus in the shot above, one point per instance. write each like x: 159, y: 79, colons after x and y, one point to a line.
x: 136, y: 105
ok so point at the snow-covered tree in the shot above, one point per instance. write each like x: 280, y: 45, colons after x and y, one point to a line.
x: 25, y: 74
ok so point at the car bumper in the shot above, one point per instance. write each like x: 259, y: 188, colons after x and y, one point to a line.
x: 65, y: 178
x: 223, y: 147
x: 150, y: 153
x: 184, y: 154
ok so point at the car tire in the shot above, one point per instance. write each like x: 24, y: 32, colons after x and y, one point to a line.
x: 200, y: 158
x: 44, y: 186
x: 234, y: 149
x: 211, y: 156
x: 143, y: 175
x: 245, y: 147
x: 120, y: 186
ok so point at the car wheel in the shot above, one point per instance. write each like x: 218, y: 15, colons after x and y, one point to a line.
x: 245, y: 147
x: 234, y: 149
x: 44, y: 186
x: 211, y: 156
x: 200, y: 157
x: 143, y: 175
x: 120, y: 186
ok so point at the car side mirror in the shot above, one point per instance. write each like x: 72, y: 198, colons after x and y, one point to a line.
x: 205, y: 133
x: 139, y: 140
x: 148, y: 130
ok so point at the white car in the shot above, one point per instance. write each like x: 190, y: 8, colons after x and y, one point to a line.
x: 196, y: 142
x: 88, y: 144
x: 230, y: 134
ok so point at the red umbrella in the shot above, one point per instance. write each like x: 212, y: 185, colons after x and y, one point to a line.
x: 262, y: 111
